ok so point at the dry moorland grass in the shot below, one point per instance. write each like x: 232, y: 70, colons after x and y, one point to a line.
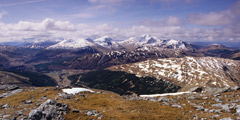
x: 110, y: 105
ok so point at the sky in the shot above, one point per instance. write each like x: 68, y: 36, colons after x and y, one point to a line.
x: 187, y: 20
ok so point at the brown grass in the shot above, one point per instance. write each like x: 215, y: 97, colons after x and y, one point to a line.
x: 111, y: 106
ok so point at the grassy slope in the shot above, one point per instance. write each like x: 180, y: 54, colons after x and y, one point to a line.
x: 115, y: 107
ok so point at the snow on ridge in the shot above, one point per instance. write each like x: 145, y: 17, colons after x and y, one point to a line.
x: 166, y: 94
x: 76, y: 90
x: 71, y: 44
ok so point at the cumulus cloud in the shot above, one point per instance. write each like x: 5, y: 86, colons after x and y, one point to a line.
x: 225, y: 17
x: 49, y: 29
x: 46, y: 25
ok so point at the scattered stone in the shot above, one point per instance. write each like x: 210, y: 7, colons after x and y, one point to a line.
x: 198, y: 107
x: 218, y: 111
x: 75, y: 111
x: 195, y: 117
x: 215, y: 116
x: 92, y: 113
x: 225, y: 107
x: 66, y: 96
x: 100, y: 117
x: 5, y: 106
x: 217, y: 100
x: 44, y: 97
x: 5, y: 116
x: 28, y: 102
x: 163, y: 99
x: 166, y: 103
x: 176, y: 106
x: 228, y: 118
x: 19, y: 113
x: 61, y: 87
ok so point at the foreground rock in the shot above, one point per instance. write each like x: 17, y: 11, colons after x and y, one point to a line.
x: 49, y: 110
x: 8, y: 87
x: 10, y: 93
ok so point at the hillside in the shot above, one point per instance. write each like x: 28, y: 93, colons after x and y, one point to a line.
x: 189, y: 72
x: 106, y: 105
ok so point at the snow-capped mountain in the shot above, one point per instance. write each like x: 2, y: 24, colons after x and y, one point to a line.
x: 72, y: 44
x: 148, y: 40
x: 189, y: 72
x: 108, y: 42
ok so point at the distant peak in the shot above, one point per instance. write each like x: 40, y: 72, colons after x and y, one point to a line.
x: 146, y: 36
x: 106, y: 37
x: 216, y: 44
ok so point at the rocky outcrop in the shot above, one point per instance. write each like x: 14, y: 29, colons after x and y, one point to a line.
x: 8, y: 87
x: 49, y: 110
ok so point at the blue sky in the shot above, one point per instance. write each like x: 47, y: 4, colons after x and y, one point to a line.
x: 189, y: 20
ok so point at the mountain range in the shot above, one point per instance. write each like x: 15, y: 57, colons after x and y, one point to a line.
x: 172, y: 62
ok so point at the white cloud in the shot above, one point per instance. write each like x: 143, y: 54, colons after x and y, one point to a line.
x: 2, y: 14
x: 52, y: 29
x: 212, y: 18
x: 228, y: 17
x: 172, y: 20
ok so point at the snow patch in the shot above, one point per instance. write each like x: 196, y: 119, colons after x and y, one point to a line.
x: 165, y: 94
x: 76, y: 90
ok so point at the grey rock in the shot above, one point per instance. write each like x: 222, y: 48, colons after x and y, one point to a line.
x: 19, y: 113
x: 192, y: 97
x: 8, y: 87
x: 7, y: 94
x: 66, y: 96
x: 176, y: 106
x: 5, y: 116
x: 166, y: 103
x: 228, y: 118
x: 153, y: 99
x: 5, y: 106
x: 14, y: 118
x: 92, y: 113
x: 44, y: 97
x: 215, y: 116
x: 198, y: 107
x: 49, y: 110
x: 215, y: 111
x: 28, y: 102
x: 163, y: 99
x: 195, y: 117
x: 225, y: 107
x: 217, y: 100
x: 237, y: 108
